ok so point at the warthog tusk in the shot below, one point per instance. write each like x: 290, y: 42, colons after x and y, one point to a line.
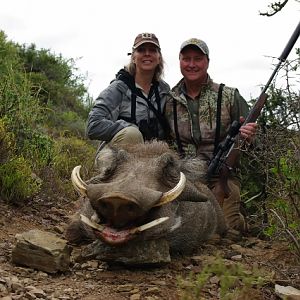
x: 78, y: 183
x: 174, y: 192
x: 91, y: 223
x: 151, y: 224
x: 133, y: 230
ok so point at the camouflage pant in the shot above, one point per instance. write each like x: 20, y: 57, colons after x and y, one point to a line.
x: 232, y: 205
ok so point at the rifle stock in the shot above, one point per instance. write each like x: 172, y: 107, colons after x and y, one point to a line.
x: 226, y: 154
x: 256, y: 110
x: 233, y: 156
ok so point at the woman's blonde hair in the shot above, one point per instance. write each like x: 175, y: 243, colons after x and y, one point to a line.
x: 159, y: 70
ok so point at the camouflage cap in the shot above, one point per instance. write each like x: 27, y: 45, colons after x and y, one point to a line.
x: 196, y: 42
x: 143, y: 38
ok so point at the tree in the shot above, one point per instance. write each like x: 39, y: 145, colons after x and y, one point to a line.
x: 275, y: 7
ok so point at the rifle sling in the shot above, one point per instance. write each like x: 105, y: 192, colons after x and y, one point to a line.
x: 218, y: 117
x: 178, y: 141
x: 129, y: 81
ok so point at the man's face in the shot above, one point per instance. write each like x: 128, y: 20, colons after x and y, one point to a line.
x: 193, y: 65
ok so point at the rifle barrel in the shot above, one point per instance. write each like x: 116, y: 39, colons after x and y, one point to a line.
x: 284, y: 55
x: 290, y: 44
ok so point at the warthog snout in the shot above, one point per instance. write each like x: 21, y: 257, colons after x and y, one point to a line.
x: 117, y: 210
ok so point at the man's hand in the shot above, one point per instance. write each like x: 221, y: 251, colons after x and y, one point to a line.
x: 248, y: 130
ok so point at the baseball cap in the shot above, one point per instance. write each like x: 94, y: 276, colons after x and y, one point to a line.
x: 143, y: 38
x: 196, y: 42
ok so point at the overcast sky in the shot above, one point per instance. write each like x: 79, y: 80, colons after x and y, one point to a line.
x: 99, y: 34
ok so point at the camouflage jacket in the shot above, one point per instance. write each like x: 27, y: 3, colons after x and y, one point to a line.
x: 197, y: 128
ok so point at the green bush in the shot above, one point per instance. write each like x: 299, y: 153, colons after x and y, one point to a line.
x: 66, y: 123
x: 17, y: 181
x: 70, y: 152
x: 41, y: 98
x: 20, y: 108
x: 9, y: 58
x: 232, y: 279
x: 37, y: 147
x: 285, y: 208
x: 56, y: 76
x: 7, y: 142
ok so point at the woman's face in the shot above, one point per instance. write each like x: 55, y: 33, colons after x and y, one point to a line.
x: 146, y: 57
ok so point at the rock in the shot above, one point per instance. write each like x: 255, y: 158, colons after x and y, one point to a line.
x: 134, y: 253
x: 135, y: 296
x: 237, y: 257
x: 38, y: 293
x: 287, y: 292
x: 125, y: 288
x: 42, y: 251
x: 152, y: 290
x: 59, y: 229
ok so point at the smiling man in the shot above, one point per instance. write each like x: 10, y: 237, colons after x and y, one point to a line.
x: 200, y: 113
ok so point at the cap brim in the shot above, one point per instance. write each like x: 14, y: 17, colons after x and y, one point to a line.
x: 192, y: 45
x: 144, y: 42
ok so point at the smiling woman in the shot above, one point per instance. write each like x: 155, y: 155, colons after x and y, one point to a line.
x: 130, y: 109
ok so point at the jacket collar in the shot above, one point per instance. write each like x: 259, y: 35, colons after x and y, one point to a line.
x: 178, y: 92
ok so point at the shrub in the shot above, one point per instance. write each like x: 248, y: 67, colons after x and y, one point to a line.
x: 68, y: 122
x: 70, y: 152
x: 7, y: 142
x: 38, y: 148
x: 20, y: 108
x: 232, y: 279
x: 17, y: 180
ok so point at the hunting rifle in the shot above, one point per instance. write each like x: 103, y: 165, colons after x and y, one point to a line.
x: 227, y: 155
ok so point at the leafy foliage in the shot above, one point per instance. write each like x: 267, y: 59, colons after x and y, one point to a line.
x: 7, y: 142
x: 56, y: 77
x: 38, y: 147
x: 17, y: 181
x: 271, y: 188
x: 70, y: 152
x: 41, y: 99
x: 232, y: 279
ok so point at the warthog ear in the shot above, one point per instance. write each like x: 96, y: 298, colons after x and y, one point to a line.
x: 167, y: 167
x: 166, y: 159
x: 104, y: 158
x: 105, y: 163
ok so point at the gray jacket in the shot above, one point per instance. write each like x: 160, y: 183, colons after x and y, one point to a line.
x: 114, y: 103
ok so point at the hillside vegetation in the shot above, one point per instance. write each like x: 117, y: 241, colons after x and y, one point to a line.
x: 43, y: 111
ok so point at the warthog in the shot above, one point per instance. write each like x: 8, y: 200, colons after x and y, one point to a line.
x: 146, y: 184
